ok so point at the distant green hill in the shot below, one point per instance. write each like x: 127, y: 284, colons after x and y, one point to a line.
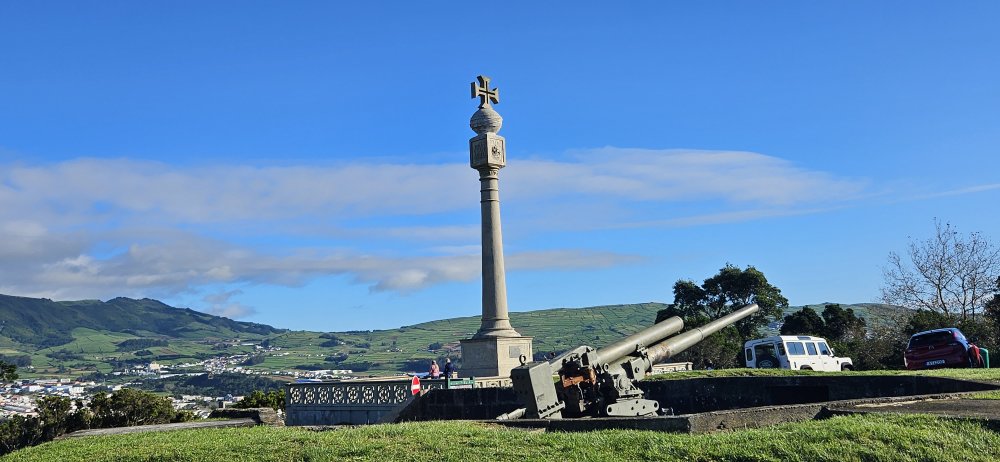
x: 410, y: 348
x: 82, y: 337
x: 43, y: 323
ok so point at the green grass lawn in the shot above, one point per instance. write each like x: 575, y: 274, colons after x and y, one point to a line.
x: 989, y: 375
x: 995, y: 394
x: 875, y: 437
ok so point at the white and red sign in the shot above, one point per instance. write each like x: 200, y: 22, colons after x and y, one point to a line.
x: 415, y: 385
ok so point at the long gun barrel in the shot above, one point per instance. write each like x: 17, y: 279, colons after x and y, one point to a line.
x: 602, y: 382
x: 641, y: 339
x: 674, y: 345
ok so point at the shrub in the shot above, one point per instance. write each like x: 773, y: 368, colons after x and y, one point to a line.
x: 274, y: 399
x: 133, y: 344
x: 337, y: 358
x: 129, y: 407
x: 57, y: 416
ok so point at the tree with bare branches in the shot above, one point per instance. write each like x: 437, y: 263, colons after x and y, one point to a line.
x: 948, y: 273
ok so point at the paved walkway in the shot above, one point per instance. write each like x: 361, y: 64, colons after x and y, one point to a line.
x: 164, y: 427
x: 985, y: 409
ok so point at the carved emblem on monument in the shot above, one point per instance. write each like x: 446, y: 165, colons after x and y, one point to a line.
x: 483, y: 92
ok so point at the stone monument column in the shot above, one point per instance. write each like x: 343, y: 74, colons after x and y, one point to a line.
x: 496, y: 348
x: 487, y: 154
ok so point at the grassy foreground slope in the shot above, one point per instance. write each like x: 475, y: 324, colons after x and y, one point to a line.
x: 884, y: 438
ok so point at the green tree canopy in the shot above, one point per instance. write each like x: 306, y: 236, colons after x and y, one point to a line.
x: 729, y: 290
x: 922, y: 320
x: 129, y: 407
x: 53, y: 412
x: 836, y: 324
x: 842, y: 324
x: 8, y: 372
x: 274, y: 399
x: 803, y: 322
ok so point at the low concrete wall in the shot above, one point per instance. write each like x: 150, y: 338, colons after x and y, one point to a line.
x: 721, y: 393
x: 474, y: 404
x: 358, y: 402
x: 784, y: 395
x: 261, y: 415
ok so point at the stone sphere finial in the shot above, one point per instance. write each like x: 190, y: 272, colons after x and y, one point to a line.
x: 486, y: 120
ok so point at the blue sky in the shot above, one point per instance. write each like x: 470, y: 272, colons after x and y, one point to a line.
x: 305, y: 164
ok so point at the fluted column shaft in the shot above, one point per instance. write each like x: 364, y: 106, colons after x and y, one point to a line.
x: 495, y: 319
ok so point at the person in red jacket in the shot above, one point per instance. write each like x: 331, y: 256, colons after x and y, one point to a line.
x: 975, y: 357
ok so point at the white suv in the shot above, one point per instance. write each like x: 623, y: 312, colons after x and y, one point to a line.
x: 794, y: 352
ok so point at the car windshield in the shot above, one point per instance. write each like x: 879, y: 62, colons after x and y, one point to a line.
x: 932, y: 338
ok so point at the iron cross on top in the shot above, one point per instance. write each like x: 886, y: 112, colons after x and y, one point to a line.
x: 484, y: 93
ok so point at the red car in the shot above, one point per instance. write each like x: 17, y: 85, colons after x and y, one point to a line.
x: 937, y: 348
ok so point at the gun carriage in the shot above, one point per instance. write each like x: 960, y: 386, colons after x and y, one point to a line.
x: 602, y: 382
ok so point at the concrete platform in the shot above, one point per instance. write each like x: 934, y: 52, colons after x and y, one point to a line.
x: 227, y: 418
x: 955, y: 405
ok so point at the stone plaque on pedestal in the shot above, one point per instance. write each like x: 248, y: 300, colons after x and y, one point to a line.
x: 493, y: 356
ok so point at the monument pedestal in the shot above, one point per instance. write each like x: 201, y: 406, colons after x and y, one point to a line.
x: 493, y: 356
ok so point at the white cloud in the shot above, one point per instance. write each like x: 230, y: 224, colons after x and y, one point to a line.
x: 85, y: 188
x: 90, y: 189
x: 738, y: 216
x: 98, y: 228
x: 675, y: 175
x: 961, y: 191
x: 219, y: 304
x: 185, y: 262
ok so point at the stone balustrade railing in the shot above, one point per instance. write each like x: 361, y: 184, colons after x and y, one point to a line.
x: 360, y: 401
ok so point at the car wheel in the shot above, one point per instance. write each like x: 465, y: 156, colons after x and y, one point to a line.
x: 767, y: 363
x: 806, y: 368
x: 846, y: 367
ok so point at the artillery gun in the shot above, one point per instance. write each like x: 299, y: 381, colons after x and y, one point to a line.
x: 601, y: 383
